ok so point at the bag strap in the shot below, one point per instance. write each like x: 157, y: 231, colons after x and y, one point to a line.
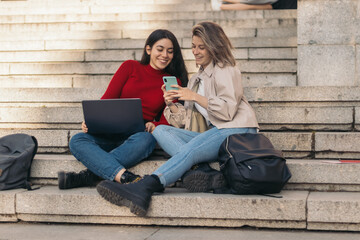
x: 271, y: 195
x: 28, y: 183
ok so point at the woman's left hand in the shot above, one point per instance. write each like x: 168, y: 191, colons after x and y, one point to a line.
x: 149, y: 127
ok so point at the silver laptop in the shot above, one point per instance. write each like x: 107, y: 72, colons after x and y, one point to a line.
x: 113, y: 116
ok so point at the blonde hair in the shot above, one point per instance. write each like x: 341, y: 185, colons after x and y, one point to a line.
x: 216, y: 42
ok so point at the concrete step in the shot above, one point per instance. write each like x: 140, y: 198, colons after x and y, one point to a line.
x: 125, y: 54
x: 145, y: 16
x: 21, y: 3
x: 37, y: 45
x: 117, y: 24
x: 105, y: 43
x: 94, y: 81
x: 54, y: 3
x: 311, y: 144
x: 312, y: 175
x: 330, y: 95
x: 277, y: 108
x: 122, y: 7
x: 335, y: 211
x: 110, y: 67
x: 85, y: 205
x: 325, y: 95
x: 144, y: 33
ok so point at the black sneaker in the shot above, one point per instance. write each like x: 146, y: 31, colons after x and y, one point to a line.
x: 84, y: 178
x: 129, y: 177
x: 203, y: 178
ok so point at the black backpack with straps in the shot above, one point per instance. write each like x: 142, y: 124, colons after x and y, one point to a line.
x: 17, y: 152
x: 251, y: 165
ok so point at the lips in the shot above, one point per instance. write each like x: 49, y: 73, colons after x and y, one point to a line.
x: 163, y: 61
x: 199, y: 59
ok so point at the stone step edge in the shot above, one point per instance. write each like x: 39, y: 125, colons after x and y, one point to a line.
x: 295, y: 210
x: 320, y: 175
x: 254, y: 94
x: 50, y: 204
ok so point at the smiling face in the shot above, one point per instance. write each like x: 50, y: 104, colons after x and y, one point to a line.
x: 202, y: 55
x: 161, y: 54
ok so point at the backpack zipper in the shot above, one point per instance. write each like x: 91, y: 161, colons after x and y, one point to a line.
x: 231, y: 156
x: 227, y: 147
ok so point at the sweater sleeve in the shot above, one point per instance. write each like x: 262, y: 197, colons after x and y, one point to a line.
x: 118, y: 81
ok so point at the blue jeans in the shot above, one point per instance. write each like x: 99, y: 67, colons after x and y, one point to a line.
x: 189, y: 148
x: 106, y: 155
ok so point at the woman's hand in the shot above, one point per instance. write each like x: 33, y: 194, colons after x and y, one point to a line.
x: 84, y: 127
x: 168, y: 95
x: 149, y: 127
x: 184, y: 94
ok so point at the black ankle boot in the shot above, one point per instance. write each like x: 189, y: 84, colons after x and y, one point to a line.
x: 84, y: 178
x: 136, y: 196
x: 203, y: 178
x: 129, y: 177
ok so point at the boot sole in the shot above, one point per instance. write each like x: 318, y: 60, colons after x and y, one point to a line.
x: 198, y: 181
x: 107, y: 191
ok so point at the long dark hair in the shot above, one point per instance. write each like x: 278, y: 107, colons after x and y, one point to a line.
x: 177, y: 66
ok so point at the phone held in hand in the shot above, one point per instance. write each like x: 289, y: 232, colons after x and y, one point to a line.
x: 168, y: 81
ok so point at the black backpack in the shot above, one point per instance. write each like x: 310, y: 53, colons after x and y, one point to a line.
x: 251, y: 165
x: 16, y: 154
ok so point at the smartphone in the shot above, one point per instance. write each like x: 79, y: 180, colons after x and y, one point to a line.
x: 168, y: 81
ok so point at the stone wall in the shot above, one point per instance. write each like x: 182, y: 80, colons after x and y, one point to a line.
x: 329, y: 42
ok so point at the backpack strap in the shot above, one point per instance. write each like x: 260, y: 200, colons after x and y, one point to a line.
x: 28, y: 183
x: 271, y: 195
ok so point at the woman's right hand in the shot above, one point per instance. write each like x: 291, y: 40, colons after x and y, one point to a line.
x: 84, y: 127
x: 168, y: 95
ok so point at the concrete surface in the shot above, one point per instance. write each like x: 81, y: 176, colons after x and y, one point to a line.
x: 313, y: 172
x: 27, y: 231
x: 327, y: 42
x: 174, y: 207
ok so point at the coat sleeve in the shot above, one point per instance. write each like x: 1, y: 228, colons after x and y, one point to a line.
x: 176, y: 119
x: 228, y: 93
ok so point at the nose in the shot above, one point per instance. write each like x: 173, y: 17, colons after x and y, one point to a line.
x: 195, y: 51
x: 165, y: 54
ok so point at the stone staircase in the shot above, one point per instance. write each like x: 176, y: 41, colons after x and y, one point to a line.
x: 54, y: 54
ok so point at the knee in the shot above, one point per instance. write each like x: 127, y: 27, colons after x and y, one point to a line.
x: 76, y: 139
x: 144, y: 137
x: 159, y: 130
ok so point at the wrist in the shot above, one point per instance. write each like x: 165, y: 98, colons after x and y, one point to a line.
x: 194, y: 97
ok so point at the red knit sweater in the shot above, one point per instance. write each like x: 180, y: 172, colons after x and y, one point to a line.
x: 134, y: 80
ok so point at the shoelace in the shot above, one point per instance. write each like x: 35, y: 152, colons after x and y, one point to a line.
x: 136, y: 179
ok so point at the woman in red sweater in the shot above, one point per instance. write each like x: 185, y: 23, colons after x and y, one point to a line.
x: 108, y: 156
